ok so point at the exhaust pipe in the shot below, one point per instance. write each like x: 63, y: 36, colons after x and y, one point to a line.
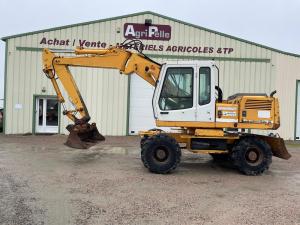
x: 83, y: 136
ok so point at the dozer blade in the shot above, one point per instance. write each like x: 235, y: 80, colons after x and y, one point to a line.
x: 278, y: 147
x: 83, y: 136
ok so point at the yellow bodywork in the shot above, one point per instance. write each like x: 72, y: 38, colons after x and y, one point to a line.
x: 239, y: 112
x: 258, y: 110
x: 209, y: 132
x: 244, y: 112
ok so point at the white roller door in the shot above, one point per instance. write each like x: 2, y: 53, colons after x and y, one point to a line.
x: 140, y: 108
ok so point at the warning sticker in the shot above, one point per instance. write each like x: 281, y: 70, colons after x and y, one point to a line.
x: 263, y: 114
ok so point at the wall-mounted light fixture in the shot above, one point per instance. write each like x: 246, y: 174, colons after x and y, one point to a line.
x: 148, y: 22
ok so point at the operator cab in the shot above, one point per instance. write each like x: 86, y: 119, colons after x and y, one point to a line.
x: 186, y: 92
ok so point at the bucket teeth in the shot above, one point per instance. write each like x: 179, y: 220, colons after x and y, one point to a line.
x: 83, y: 136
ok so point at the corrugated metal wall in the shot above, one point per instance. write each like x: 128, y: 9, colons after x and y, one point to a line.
x: 104, y: 91
x: 249, y: 68
x: 288, y: 72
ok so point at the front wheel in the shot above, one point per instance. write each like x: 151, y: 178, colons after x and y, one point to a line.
x: 146, y: 136
x: 161, y: 153
x: 252, y: 156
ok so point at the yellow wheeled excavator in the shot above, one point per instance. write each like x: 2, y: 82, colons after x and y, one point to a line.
x: 187, y: 97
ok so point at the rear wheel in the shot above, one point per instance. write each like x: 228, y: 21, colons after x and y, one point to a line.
x: 252, y: 156
x: 161, y: 153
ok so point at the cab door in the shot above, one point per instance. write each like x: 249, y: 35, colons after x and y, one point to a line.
x: 205, y: 92
x: 175, y: 98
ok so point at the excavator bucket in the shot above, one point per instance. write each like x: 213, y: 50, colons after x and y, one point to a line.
x: 83, y: 136
x: 278, y: 146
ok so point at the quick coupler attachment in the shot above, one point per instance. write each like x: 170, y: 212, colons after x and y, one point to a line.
x: 83, y: 136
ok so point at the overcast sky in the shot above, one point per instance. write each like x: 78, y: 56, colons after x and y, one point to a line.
x: 274, y: 23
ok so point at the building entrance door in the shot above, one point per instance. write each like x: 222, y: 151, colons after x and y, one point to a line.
x: 46, y: 115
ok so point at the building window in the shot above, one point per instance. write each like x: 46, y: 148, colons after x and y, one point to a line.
x: 204, y: 85
x: 177, y: 90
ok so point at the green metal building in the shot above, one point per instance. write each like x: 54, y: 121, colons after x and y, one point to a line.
x: 121, y: 105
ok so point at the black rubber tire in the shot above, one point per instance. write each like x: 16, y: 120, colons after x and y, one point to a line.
x: 240, y: 156
x: 143, y: 139
x: 163, y: 143
x: 220, y: 157
x: 146, y: 137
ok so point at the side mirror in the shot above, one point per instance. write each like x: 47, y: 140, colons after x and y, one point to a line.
x: 273, y: 93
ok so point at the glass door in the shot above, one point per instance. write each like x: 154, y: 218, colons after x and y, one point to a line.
x: 206, y: 91
x: 46, y: 115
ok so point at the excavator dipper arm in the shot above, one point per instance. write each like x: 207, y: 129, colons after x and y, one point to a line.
x: 82, y: 134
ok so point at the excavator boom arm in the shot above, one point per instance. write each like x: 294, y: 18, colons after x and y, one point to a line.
x: 115, y: 58
x: 57, y: 67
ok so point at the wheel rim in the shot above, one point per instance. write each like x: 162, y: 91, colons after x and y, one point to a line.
x: 161, y: 154
x: 254, y: 156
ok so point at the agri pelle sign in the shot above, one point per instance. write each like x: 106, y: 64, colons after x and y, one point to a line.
x: 142, y: 32
x: 147, y: 32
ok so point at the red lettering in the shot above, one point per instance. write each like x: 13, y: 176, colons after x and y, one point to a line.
x: 43, y: 41
x: 93, y: 44
x: 55, y: 42
x: 189, y: 49
x: 150, y: 47
x: 81, y: 42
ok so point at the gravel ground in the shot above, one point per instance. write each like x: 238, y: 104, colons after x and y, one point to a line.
x: 44, y: 182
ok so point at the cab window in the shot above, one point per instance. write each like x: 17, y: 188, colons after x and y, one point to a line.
x: 177, y: 90
x: 204, y: 85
